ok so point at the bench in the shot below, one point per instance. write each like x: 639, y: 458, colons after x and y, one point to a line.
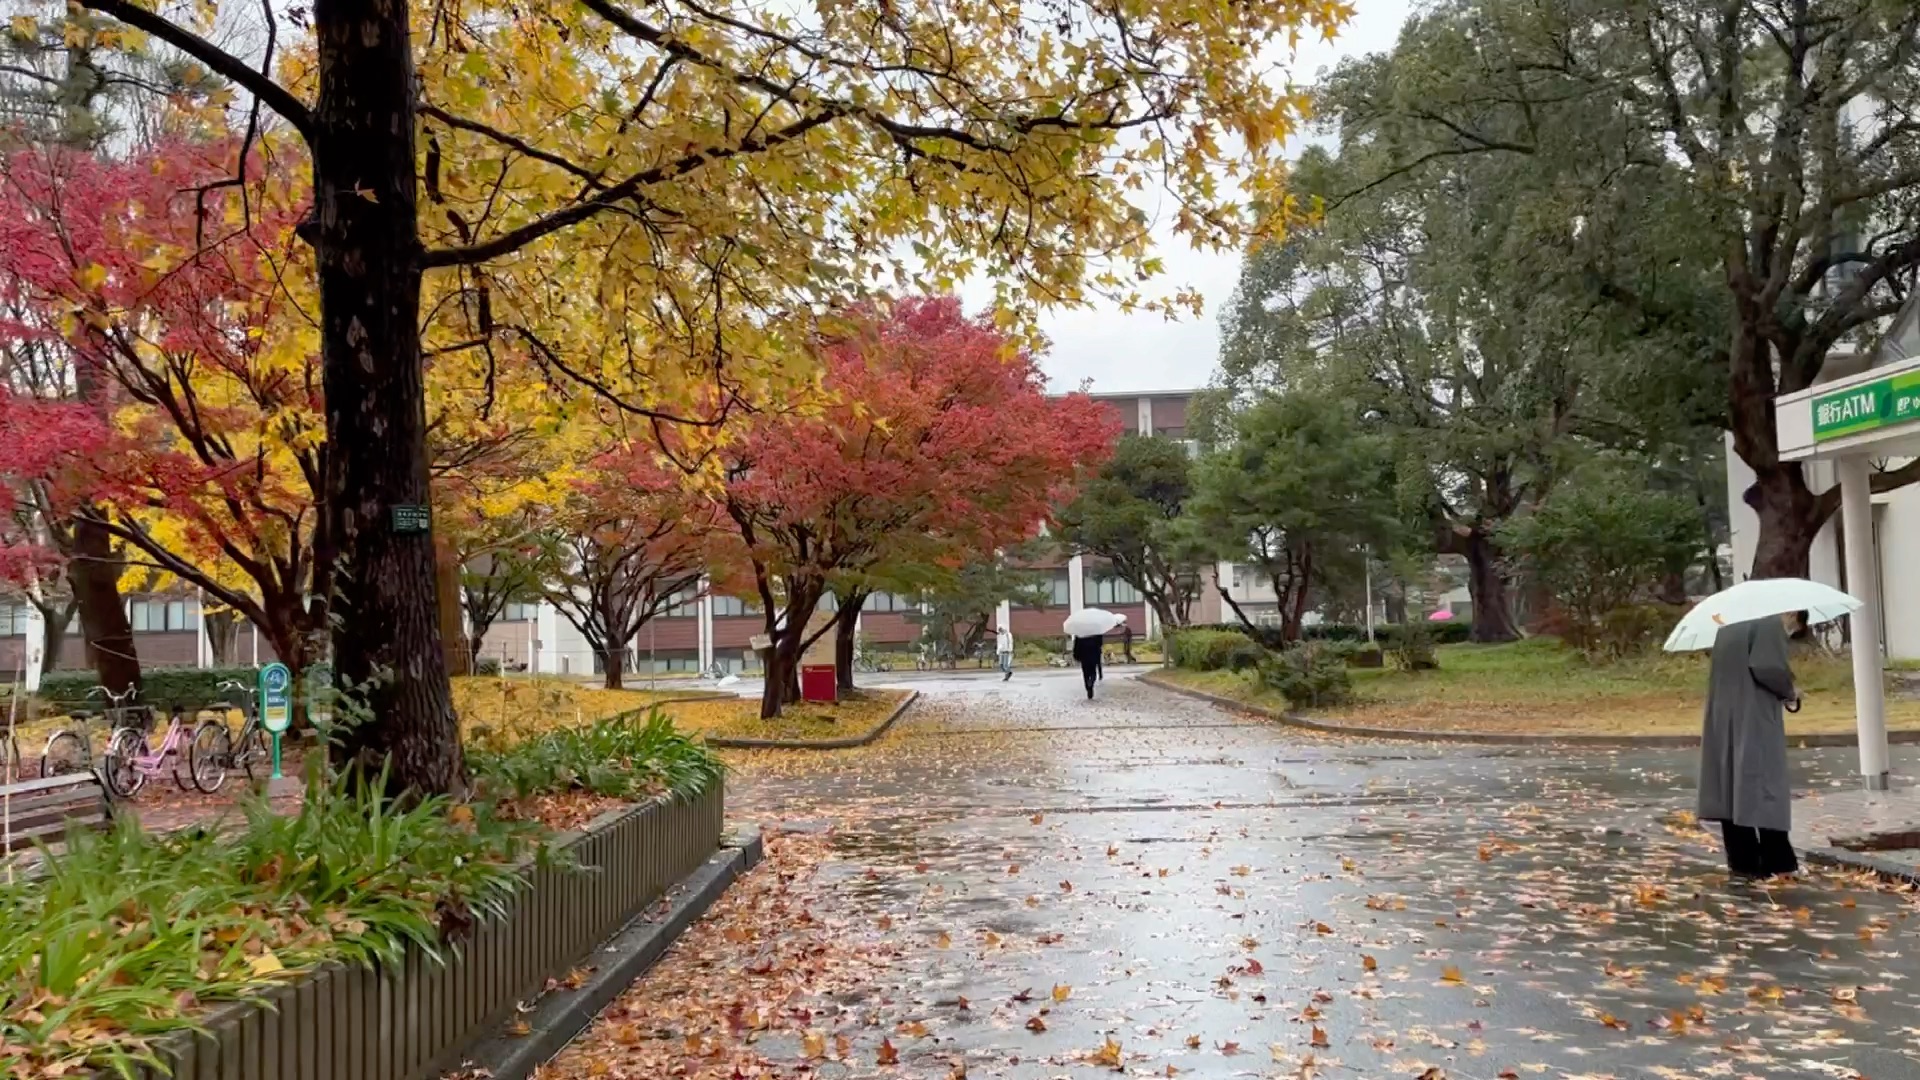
x: 42, y: 810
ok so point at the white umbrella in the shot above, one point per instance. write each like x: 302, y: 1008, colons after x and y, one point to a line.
x: 1091, y: 622
x: 1759, y: 598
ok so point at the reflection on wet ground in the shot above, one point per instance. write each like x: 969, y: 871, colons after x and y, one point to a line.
x: 1022, y: 883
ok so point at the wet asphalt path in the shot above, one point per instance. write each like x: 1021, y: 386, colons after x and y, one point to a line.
x: 1050, y: 887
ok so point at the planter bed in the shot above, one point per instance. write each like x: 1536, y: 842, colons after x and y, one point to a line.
x: 415, y: 1019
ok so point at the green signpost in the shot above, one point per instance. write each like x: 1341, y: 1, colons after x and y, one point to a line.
x: 276, y: 705
x: 1882, y: 403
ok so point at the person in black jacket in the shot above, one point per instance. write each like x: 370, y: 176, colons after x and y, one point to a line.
x: 1087, y: 651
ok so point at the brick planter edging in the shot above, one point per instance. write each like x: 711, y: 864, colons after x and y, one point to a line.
x: 1492, y: 738
x: 848, y: 743
x: 414, y: 1021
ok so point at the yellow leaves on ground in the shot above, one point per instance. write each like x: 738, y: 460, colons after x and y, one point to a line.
x: 1451, y: 976
x: 1061, y: 992
x: 514, y: 707
x: 735, y: 717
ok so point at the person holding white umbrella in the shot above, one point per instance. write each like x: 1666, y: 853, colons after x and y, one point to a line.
x: 1744, y: 782
x: 1088, y: 628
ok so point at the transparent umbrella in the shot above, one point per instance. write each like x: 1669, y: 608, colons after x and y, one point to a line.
x: 1759, y: 598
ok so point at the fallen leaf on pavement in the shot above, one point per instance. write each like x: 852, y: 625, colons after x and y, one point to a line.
x: 888, y: 1055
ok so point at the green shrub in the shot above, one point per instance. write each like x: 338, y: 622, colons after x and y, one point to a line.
x: 131, y: 933
x: 1245, y: 656
x: 1205, y: 650
x: 162, y: 688
x: 627, y: 756
x: 1309, y: 675
x: 1632, y: 630
x: 1412, y: 648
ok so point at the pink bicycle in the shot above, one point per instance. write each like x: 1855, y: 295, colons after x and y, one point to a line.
x: 131, y: 759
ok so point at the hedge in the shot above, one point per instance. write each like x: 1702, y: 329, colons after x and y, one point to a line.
x: 1451, y: 632
x: 164, y: 688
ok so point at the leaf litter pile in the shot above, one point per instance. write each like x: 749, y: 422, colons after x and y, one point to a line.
x: 1021, y: 888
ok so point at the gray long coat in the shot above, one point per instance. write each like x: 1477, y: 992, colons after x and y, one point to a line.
x: 1743, y: 744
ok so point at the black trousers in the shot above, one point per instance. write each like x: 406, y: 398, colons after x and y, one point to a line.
x: 1089, y: 671
x: 1758, y: 852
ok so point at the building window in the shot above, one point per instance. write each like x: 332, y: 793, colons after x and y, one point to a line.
x: 1058, y: 590
x: 154, y: 616
x: 886, y: 601
x: 668, y: 660
x: 520, y: 611
x: 684, y: 604
x: 732, y: 607
x: 1108, y: 591
x: 737, y: 660
x: 14, y: 618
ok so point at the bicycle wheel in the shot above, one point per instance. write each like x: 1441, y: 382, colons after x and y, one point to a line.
x: 118, y: 766
x: 66, y: 752
x: 255, y: 753
x: 209, y: 754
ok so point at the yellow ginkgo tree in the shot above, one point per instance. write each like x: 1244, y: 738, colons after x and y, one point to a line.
x: 724, y: 168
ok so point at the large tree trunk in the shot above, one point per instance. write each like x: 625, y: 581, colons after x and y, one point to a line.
x: 54, y: 620
x: 446, y: 584
x: 223, y: 632
x: 782, y: 686
x: 94, y: 573
x: 364, y: 232
x: 613, y: 667
x: 1789, y: 520
x: 1487, y: 584
x: 843, y: 635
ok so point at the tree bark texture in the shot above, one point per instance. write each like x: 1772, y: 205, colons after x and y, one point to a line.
x: 843, y: 642
x: 613, y: 667
x: 223, y: 632
x: 94, y: 572
x: 1487, y: 585
x: 364, y: 232
x: 446, y: 586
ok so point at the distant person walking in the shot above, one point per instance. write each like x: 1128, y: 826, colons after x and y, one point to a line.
x: 1003, y: 647
x: 1744, y: 783
x: 1087, y: 651
x: 1126, y: 642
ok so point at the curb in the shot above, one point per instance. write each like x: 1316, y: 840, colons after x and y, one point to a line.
x: 1488, y: 738
x: 1842, y: 859
x: 848, y: 743
x: 561, y: 1014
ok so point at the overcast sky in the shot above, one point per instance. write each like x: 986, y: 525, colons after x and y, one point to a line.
x: 1142, y: 351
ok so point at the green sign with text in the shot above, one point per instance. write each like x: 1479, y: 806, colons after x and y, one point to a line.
x: 1867, y: 407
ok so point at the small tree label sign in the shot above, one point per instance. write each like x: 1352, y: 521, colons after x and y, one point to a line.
x: 276, y: 705
x: 410, y: 519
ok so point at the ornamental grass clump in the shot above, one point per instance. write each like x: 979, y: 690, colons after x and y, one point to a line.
x: 628, y: 756
x: 129, y: 935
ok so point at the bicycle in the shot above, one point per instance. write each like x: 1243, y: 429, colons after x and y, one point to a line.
x: 70, y: 750
x: 130, y: 759
x: 867, y: 662
x: 211, y: 753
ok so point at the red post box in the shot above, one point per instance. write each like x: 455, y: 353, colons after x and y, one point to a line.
x: 817, y: 683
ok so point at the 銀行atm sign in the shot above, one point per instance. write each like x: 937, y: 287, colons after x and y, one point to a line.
x: 1867, y: 407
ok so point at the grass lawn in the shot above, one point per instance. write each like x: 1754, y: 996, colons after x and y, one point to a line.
x: 739, y: 718
x: 521, y: 705
x: 1539, y: 686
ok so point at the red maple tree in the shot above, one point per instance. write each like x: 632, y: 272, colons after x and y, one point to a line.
x: 937, y: 440
x: 165, y: 280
